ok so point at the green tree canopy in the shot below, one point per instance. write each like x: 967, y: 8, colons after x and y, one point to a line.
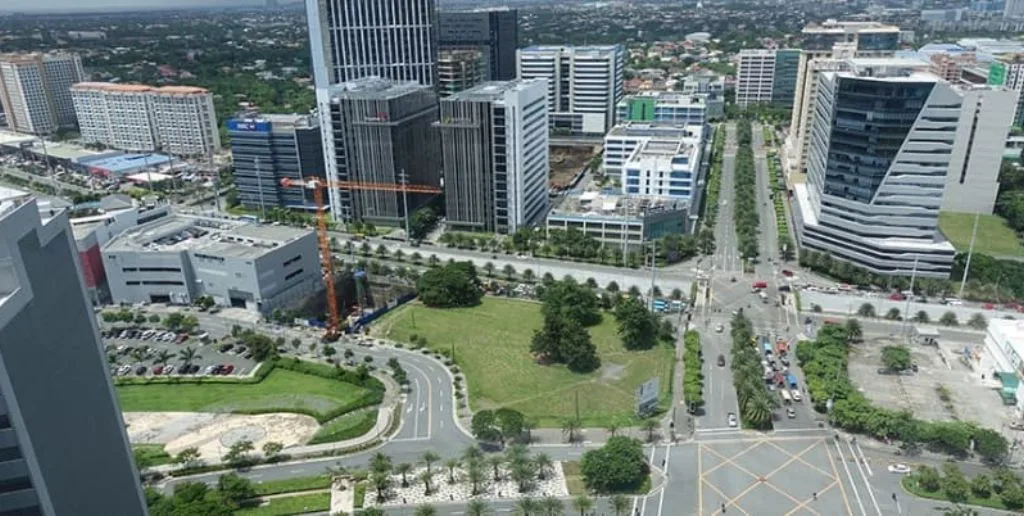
x: 896, y: 358
x: 453, y: 285
x: 618, y: 466
x: 638, y: 327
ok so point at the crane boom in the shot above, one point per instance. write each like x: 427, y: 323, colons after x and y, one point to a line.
x: 317, y: 184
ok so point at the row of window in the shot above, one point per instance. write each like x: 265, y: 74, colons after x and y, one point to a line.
x: 150, y: 269
x: 173, y: 283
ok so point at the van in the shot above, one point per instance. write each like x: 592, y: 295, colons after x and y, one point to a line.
x: 796, y: 395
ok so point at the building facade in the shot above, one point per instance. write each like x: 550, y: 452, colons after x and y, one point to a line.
x: 664, y: 107
x: 267, y: 149
x: 492, y: 32
x: 380, y: 131
x: 584, y: 84
x: 63, y: 445
x: 34, y: 91
x: 1008, y: 70
x: 787, y: 67
x: 179, y: 259
x: 755, y: 77
x: 494, y: 140
x: 878, y: 173
x: 830, y: 41
x: 459, y: 70
x: 393, y: 39
x: 624, y: 139
x: 178, y: 120
x: 620, y: 220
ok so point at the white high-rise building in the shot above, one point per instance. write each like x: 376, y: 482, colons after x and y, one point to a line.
x: 755, y: 75
x: 1014, y: 9
x: 392, y: 39
x: 178, y: 120
x: 584, y: 84
x: 494, y: 139
x: 35, y: 90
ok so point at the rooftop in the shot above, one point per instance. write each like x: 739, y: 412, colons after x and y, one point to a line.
x: 609, y: 203
x: 1012, y: 331
x: 659, y: 129
x: 217, y: 237
x: 676, y: 98
x: 835, y: 26
x: 662, y: 148
x: 594, y: 49
x: 113, y: 87
x: 125, y: 162
x: 11, y: 198
x: 491, y: 90
x: 374, y: 87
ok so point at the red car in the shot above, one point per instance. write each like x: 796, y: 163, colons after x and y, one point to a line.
x: 787, y: 273
x: 896, y: 296
x: 988, y: 306
x: 227, y: 369
x: 158, y: 369
x: 758, y: 285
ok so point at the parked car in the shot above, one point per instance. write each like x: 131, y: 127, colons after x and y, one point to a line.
x: 158, y: 369
x: 140, y: 370
x: 227, y: 369
x: 719, y: 329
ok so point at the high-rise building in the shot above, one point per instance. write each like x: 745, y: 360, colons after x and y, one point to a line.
x: 379, y: 131
x: 879, y: 172
x: 269, y: 148
x: 492, y: 32
x: 178, y: 120
x: 459, y: 70
x: 829, y: 41
x: 63, y: 445
x: 393, y: 39
x: 664, y: 106
x: 1008, y: 70
x: 34, y: 90
x: 1013, y: 9
x: 755, y: 77
x: 787, y: 66
x: 584, y: 84
x: 494, y: 140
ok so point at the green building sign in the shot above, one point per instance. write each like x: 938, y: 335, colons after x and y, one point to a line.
x: 997, y: 74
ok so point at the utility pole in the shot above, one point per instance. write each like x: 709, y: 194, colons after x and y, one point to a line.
x: 216, y: 179
x: 259, y: 183
x: 906, y: 312
x: 970, y: 252
x: 654, y: 269
x: 404, y: 181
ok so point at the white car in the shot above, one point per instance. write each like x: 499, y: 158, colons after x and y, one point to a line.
x: 732, y: 420
x: 796, y: 395
x: 899, y: 468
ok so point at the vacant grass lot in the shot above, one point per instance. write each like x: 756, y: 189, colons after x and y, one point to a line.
x: 492, y: 346
x: 282, y: 389
x: 994, y: 238
x: 284, y: 506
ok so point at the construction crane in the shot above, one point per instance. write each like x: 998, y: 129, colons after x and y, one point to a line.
x: 317, y: 185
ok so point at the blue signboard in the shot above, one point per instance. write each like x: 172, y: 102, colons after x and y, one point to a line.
x: 249, y: 125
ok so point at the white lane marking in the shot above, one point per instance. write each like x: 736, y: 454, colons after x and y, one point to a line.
x: 643, y: 506
x: 856, y: 492
x: 636, y: 500
x: 661, y: 498
x: 867, y: 485
x: 864, y: 459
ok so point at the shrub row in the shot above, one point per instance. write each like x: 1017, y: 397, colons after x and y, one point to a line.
x: 714, y: 186
x: 361, y: 427
x: 693, y: 377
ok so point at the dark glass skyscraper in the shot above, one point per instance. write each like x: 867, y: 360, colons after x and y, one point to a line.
x: 494, y: 32
x: 269, y: 148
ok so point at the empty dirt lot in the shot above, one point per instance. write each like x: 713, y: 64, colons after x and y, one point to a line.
x: 969, y: 398
x: 566, y: 162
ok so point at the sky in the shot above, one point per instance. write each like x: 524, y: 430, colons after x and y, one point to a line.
x: 80, y: 5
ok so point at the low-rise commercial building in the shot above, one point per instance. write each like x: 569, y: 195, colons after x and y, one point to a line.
x: 624, y: 140
x: 669, y: 107
x: 180, y: 258
x: 620, y: 220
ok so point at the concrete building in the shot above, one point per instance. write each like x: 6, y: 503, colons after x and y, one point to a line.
x: 624, y: 221
x: 755, y: 77
x: 624, y: 139
x: 1008, y: 70
x: 875, y: 201
x: 584, y: 84
x: 376, y: 130
x: 179, y: 258
x: 1013, y: 9
x: 1004, y: 346
x: 63, y: 445
x: 665, y: 107
x: 352, y: 39
x: 34, y: 91
x: 459, y: 70
x: 178, y: 120
x: 494, y: 140
x: 492, y: 32
x: 269, y: 148
x: 827, y: 42
x: 949, y: 66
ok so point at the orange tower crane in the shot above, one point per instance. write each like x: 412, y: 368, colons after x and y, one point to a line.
x: 317, y: 185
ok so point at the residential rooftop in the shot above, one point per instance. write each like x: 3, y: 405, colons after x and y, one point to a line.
x: 216, y: 237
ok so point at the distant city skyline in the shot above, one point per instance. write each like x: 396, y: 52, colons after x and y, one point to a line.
x: 109, y: 5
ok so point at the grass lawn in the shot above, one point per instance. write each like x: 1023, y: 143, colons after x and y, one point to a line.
x: 994, y: 237
x: 148, y: 455
x: 284, y: 506
x: 346, y: 426
x: 910, y: 484
x: 281, y: 389
x: 291, y: 485
x: 492, y: 346
x: 574, y: 479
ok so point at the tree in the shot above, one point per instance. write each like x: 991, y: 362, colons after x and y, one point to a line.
x: 551, y: 506
x: 485, y: 426
x: 522, y: 474
x: 271, y: 449
x: 451, y: 286
x: 238, y: 453
x: 981, y: 486
x: 162, y: 357
x: 429, y: 458
x: 893, y: 314
x: 617, y: 466
x: 543, y: 464
x: 452, y: 464
x: 866, y: 310
x: 1013, y: 497
x: 854, y: 331
x: 572, y: 300
x: 650, y: 426
x: 296, y: 343
x: 426, y: 476
x: 991, y: 446
x: 612, y: 287
x: 381, y: 483
x: 564, y: 340
x: 896, y: 358
x: 978, y: 322
x: 188, y: 355
x: 526, y: 506
x: 620, y: 504
x: 612, y: 428
x: 404, y: 469
x: 949, y: 319
x: 425, y: 510
x: 921, y: 317
x: 496, y: 461
x: 638, y: 327
x: 571, y: 428
x: 510, y: 271
x: 528, y: 275
x: 478, y: 508
x: 235, y: 489
x: 510, y: 423
x: 188, y: 458
x: 928, y: 478
x: 582, y: 503
x: 476, y: 476
x: 380, y: 463
x: 954, y: 484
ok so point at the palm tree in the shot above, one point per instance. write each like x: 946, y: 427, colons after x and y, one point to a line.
x: 477, y: 508
x: 544, y: 465
x: 570, y: 429
x: 620, y: 504
x: 451, y: 464
x: 495, y: 462
x: 472, y: 454
x: 650, y: 426
x: 528, y: 425
x: 429, y: 458
x: 425, y: 510
x: 381, y: 483
x: 527, y: 506
x: 612, y: 428
x: 522, y: 474
x: 583, y: 504
x: 517, y: 454
x: 380, y: 463
x: 163, y: 356
x: 551, y: 506
x: 404, y: 469
x: 426, y: 476
x: 476, y: 476
x: 188, y: 355
x: 372, y: 511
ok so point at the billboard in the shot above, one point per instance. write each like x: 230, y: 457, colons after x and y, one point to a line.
x: 249, y: 125
x: 647, y: 396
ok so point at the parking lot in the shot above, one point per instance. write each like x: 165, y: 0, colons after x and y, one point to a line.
x: 153, y: 351
x: 944, y: 387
